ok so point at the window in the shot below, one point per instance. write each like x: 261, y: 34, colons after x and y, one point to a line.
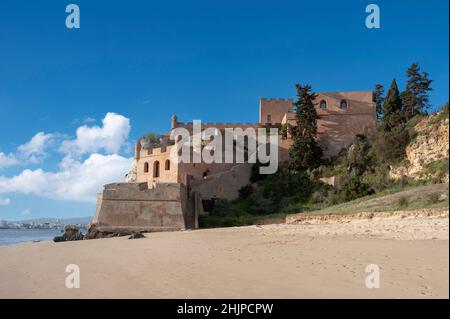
x: 323, y: 104
x: 344, y: 104
x: 269, y: 118
x: 145, y: 167
x: 167, y: 165
x: 156, y: 169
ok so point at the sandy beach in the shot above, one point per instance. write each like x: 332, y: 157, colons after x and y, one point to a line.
x: 323, y: 260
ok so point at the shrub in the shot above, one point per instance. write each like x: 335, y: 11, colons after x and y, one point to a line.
x: 378, y: 178
x: 444, y: 110
x: 433, y: 198
x: 442, y: 115
x: 322, y: 195
x: 438, y: 169
x: 402, y: 201
x: 354, y: 188
x: 222, y: 207
x: 255, y: 176
x: 389, y: 146
x: 245, y: 191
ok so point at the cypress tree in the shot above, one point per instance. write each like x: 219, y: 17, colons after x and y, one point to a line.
x: 305, y: 152
x: 378, y: 98
x: 416, y: 98
x: 392, y: 108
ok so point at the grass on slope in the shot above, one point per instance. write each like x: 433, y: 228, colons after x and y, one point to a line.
x: 429, y: 196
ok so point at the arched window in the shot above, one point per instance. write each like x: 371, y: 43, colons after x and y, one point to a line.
x: 343, y: 104
x: 167, y: 165
x: 156, y: 169
x: 323, y: 104
x: 269, y: 118
x: 145, y: 167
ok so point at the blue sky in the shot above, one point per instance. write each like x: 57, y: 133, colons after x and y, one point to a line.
x: 142, y: 61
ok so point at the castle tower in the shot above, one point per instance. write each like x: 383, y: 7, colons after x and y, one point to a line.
x: 273, y: 110
x: 137, y: 150
x: 174, y: 121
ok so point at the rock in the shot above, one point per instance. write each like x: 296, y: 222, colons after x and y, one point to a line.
x: 136, y: 236
x: 58, y: 239
x: 123, y: 233
x: 94, y: 233
x: 131, y: 176
x: 71, y: 233
x: 430, y: 145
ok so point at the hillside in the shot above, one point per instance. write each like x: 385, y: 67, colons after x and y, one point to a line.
x: 428, y: 196
x: 427, y: 154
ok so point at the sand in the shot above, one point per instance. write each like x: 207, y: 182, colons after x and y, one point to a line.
x: 325, y: 260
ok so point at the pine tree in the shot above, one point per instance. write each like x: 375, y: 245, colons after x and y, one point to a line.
x: 415, y: 98
x: 393, y: 135
x: 305, y: 153
x: 378, y: 98
x: 392, y: 108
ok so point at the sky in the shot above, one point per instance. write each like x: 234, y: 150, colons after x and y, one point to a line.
x: 74, y: 101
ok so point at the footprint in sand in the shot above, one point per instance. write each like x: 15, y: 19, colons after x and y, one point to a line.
x: 426, y: 291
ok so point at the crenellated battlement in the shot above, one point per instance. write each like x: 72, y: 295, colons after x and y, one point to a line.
x: 152, y: 150
x: 276, y: 101
x: 156, y: 150
x: 218, y: 125
x: 222, y: 126
x: 272, y: 110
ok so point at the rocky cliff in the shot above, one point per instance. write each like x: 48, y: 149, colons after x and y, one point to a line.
x: 131, y: 176
x: 428, y: 152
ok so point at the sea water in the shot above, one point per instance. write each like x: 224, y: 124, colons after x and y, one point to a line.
x: 16, y: 236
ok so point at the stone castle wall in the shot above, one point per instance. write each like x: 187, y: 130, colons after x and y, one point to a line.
x: 225, y: 184
x: 273, y: 110
x: 136, y: 207
x: 168, y: 171
x: 336, y: 126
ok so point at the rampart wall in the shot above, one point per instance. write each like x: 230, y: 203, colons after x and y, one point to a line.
x: 136, y: 207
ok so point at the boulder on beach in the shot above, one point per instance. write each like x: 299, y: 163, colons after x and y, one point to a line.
x: 94, y: 233
x: 71, y: 233
x: 136, y: 236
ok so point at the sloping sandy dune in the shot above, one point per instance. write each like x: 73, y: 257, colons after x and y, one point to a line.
x: 325, y: 260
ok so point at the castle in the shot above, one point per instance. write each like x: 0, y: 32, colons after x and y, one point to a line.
x: 159, y: 194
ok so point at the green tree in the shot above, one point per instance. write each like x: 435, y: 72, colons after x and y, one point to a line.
x: 392, y: 108
x: 416, y: 98
x: 151, y: 140
x: 357, y: 155
x: 305, y: 153
x: 378, y: 97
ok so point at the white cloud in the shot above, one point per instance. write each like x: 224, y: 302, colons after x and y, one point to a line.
x: 7, y: 160
x: 109, y: 137
x: 78, y: 181
x: 34, y: 150
x: 4, y: 201
x: 77, y: 178
x: 25, y: 212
